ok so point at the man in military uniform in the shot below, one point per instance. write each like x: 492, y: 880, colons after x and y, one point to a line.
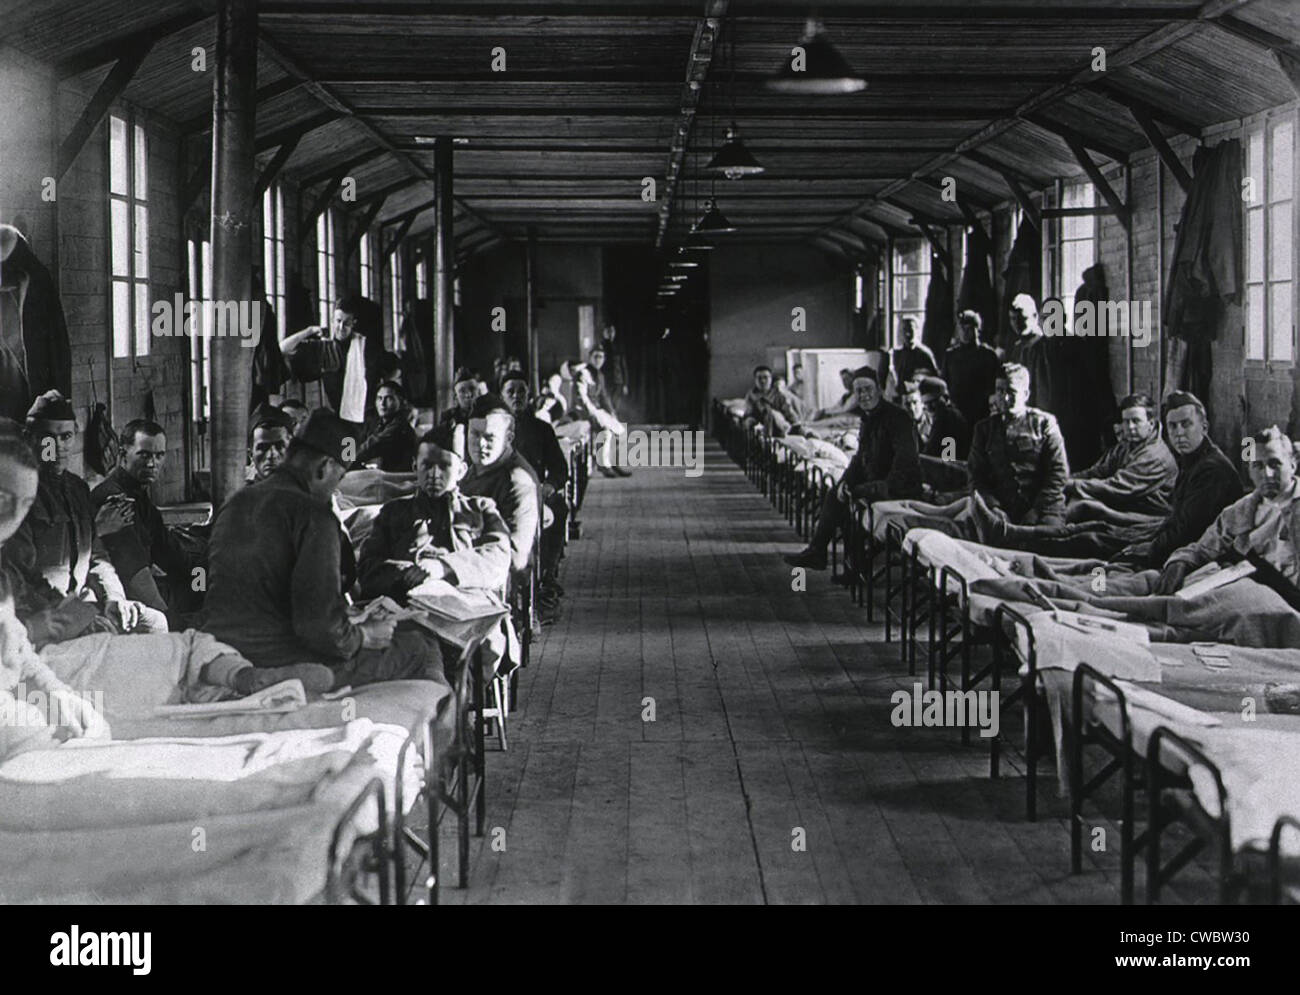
x: 63, y: 582
x: 1017, y: 469
x: 1206, y: 483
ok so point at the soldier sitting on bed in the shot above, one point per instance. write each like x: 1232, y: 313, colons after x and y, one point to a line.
x: 436, y: 534
x: 1261, y: 527
x: 1206, y: 483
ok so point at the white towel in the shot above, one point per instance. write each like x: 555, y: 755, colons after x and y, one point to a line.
x: 352, y: 406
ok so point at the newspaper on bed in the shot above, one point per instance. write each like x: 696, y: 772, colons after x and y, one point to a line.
x: 1202, y: 582
x: 287, y: 696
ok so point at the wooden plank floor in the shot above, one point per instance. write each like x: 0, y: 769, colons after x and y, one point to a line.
x: 771, y: 726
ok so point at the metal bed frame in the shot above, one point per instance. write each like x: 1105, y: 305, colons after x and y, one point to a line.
x: 1025, y: 692
x: 1120, y: 759
x: 454, y: 782
x: 368, y: 853
x: 1170, y: 801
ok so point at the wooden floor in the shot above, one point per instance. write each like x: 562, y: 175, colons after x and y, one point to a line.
x: 771, y: 726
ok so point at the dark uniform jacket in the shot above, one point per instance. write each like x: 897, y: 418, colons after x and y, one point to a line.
x: 910, y: 360
x: 274, y: 592
x: 145, y: 542
x: 466, y: 533
x: 448, y: 422
x: 948, y: 423
x: 536, y: 442
x: 512, y: 485
x: 970, y: 372
x: 392, y: 443
x: 1019, y: 465
x: 54, y: 553
x: 886, y: 464
x: 1207, y: 483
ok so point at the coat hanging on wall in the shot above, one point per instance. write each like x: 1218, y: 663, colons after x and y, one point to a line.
x: 35, y: 355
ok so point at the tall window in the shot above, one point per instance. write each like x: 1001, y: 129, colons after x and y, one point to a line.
x: 325, y: 282
x: 199, y: 284
x: 273, y: 253
x: 422, y: 279
x: 128, y: 194
x: 366, y: 254
x: 1270, y: 234
x: 395, y: 276
x: 1071, y: 243
x: 911, y: 284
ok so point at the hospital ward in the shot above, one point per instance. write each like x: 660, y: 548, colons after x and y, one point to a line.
x: 705, y: 452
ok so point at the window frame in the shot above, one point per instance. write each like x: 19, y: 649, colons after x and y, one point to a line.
x: 138, y: 287
x: 1056, y: 239
x: 1264, y: 207
x: 326, y: 266
x: 898, y: 313
x: 274, y: 267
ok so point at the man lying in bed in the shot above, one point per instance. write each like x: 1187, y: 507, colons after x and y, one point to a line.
x: 274, y: 588
x: 1206, y: 483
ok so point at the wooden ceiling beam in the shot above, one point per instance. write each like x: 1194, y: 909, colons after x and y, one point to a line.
x: 1158, y: 40
x: 1166, y: 154
x: 111, y: 50
x: 273, y: 50
x: 1072, y: 137
x: 1100, y: 182
x: 108, y: 91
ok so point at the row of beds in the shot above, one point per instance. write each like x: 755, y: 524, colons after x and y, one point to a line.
x: 1175, y: 736
x: 341, y: 801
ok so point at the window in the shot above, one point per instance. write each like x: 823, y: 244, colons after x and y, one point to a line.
x: 911, y: 284
x: 422, y: 279
x: 1270, y: 221
x: 326, y: 290
x: 128, y: 196
x: 273, y: 254
x: 1071, y: 243
x: 368, y: 287
x: 199, y: 284
x: 395, y: 299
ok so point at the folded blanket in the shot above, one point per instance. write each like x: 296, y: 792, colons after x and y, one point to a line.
x: 86, y: 784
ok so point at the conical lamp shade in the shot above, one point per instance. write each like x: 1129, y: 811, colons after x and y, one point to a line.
x: 733, y: 160
x: 714, y: 222
x: 815, y: 66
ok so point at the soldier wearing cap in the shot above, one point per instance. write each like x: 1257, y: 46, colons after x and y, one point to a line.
x: 456, y: 418
x: 886, y: 465
x: 274, y: 587
x: 437, y: 533
x: 63, y: 581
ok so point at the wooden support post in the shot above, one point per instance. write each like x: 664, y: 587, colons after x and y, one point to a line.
x: 530, y: 309
x: 1100, y: 182
x: 233, y: 127
x: 444, y: 272
x: 1166, y: 154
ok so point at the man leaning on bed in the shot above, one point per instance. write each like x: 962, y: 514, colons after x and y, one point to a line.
x: 274, y: 587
